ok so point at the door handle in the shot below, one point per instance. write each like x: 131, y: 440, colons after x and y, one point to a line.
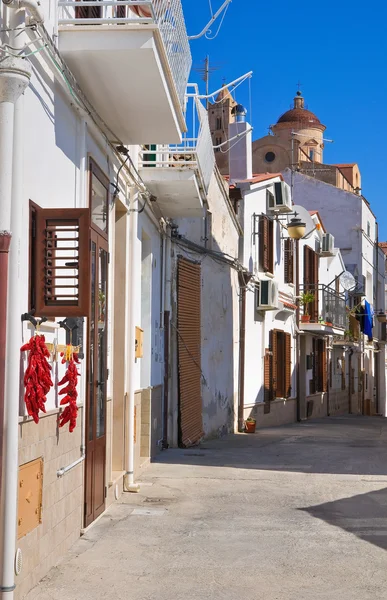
x: 100, y: 383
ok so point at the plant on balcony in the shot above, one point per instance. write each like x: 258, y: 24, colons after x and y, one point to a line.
x: 348, y: 336
x: 306, y: 299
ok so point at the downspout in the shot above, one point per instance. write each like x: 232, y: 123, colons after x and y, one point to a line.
x: 129, y: 485
x: 5, y: 241
x: 167, y: 318
x: 242, y: 352
x: 15, y: 74
x: 298, y: 341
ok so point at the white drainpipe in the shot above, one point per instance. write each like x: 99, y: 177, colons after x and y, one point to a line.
x: 129, y: 485
x: 15, y: 75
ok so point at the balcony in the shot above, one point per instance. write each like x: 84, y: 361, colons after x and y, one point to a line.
x: 132, y: 60
x: 179, y: 176
x: 327, y: 312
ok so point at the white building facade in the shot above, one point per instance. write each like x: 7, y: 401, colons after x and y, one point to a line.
x: 349, y: 217
x: 83, y: 242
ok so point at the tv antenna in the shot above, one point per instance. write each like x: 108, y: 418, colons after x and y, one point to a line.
x: 205, y: 70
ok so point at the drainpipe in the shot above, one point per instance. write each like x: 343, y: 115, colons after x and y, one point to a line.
x: 5, y: 241
x: 242, y: 352
x: 166, y: 317
x: 298, y: 340
x: 129, y: 485
x: 15, y: 73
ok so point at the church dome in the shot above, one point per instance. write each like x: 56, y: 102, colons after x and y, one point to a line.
x: 299, y: 116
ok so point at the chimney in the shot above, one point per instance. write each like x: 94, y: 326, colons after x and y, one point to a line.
x: 240, y: 153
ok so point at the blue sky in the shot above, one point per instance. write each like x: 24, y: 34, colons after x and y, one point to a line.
x: 338, y: 50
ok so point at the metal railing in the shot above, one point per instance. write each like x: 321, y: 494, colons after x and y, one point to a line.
x: 166, y: 14
x: 327, y: 307
x: 193, y: 153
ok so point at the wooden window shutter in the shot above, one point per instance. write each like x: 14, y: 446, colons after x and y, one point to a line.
x: 264, y: 242
x: 307, y: 266
x: 330, y: 373
x: 268, y: 376
x: 274, y: 351
x: 324, y: 367
x: 312, y: 382
x: 289, y: 261
x: 315, y: 267
x: 271, y: 245
x: 61, y: 274
x: 288, y: 365
x: 343, y: 374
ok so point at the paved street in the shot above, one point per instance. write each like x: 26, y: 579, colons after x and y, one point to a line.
x: 292, y: 513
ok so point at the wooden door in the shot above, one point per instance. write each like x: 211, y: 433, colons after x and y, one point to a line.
x: 97, y: 379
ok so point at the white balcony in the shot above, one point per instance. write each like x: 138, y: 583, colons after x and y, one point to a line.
x: 132, y: 60
x: 179, y: 176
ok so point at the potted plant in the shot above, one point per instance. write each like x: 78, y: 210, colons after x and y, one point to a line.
x: 250, y: 425
x: 305, y: 300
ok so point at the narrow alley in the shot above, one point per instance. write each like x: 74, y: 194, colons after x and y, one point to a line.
x: 290, y: 513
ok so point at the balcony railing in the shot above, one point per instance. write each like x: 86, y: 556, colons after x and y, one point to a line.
x: 167, y: 15
x: 193, y: 153
x: 328, y: 307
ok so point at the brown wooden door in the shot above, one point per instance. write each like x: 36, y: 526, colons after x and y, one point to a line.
x: 97, y: 379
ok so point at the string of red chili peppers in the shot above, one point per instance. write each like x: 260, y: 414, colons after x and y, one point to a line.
x: 69, y: 415
x: 37, y: 378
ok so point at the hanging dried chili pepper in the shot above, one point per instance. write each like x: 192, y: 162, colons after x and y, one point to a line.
x: 37, y: 378
x: 69, y: 415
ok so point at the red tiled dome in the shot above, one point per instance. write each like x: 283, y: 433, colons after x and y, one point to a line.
x: 300, y: 115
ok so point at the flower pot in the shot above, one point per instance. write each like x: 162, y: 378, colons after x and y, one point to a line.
x: 250, y: 426
x: 305, y: 318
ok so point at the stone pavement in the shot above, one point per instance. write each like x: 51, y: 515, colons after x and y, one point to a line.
x: 290, y: 513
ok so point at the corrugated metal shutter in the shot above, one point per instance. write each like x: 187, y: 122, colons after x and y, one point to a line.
x: 189, y: 352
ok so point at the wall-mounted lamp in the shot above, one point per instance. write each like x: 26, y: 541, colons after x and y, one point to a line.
x: 296, y: 228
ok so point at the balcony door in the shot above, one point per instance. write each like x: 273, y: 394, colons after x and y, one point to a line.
x: 97, y: 372
x: 311, y: 263
x: 97, y: 379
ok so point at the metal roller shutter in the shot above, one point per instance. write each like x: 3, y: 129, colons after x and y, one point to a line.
x: 189, y: 352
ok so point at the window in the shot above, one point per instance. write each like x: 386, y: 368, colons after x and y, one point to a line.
x: 269, y: 157
x: 277, y: 366
x: 218, y: 122
x: 266, y: 244
x: 311, y: 154
x: 59, y: 261
x: 368, y: 229
x: 289, y: 261
x: 319, y: 381
x: 99, y: 198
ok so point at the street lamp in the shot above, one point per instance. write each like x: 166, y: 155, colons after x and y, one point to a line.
x: 296, y: 228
